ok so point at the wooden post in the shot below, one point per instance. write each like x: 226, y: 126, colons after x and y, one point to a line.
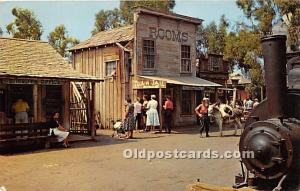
x: 66, y: 107
x: 35, y: 103
x: 160, y: 109
x: 234, y: 97
x: 92, y: 112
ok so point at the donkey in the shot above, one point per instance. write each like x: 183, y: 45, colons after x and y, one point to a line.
x: 223, y: 112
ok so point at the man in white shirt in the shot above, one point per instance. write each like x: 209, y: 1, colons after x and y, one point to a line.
x: 138, y: 113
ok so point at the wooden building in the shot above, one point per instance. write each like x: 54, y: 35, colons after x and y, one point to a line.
x: 35, y: 72
x: 237, y: 81
x: 214, y: 68
x: 155, y: 55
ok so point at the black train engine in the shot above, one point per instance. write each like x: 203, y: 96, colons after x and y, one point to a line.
x: 272, y: 131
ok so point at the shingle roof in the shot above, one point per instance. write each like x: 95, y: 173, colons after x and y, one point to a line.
x: 29, y: 58
x: 111, y: 36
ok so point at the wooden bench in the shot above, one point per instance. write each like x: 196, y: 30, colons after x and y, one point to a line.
x: 11, y: 133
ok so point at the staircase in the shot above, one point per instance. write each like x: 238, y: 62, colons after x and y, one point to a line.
x: 78, y: 109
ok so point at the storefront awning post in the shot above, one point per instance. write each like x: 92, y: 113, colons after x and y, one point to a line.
x: 92, y: 112
x: 160, y: 109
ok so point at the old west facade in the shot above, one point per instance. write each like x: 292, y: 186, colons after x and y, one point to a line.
x: 155, y: 55
x: 35, y: 72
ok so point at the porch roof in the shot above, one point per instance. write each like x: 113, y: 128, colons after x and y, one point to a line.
x: 36, y: 59
x: 184, y: 81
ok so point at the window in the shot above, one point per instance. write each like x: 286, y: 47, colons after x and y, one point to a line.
x: 214, y: 63
x: 110, y: 68
x: 186, y: 102
x: 148, y: 54
x: 185, y: 58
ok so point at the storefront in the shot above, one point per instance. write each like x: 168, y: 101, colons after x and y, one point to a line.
x: 34, y: 72
x: 155, y: 55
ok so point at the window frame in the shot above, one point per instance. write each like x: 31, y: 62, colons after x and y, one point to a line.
x: 109, y: 61
x: 154, y: 54
x: 211, y: 63
x: 186, y: 59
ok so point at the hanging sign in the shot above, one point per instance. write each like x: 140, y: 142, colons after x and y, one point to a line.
x: 149, y: 84
x: 31, y: 81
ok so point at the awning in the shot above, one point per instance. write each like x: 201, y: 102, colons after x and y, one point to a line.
x: 183, y: 80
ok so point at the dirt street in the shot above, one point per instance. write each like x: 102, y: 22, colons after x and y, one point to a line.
x: 93, y: 166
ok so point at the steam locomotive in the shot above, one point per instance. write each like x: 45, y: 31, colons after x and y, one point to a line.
x: 272, y: 132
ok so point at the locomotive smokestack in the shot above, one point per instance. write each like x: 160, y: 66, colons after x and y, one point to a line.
x: 274, y: 52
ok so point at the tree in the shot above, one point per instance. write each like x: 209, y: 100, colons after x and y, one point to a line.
x: 108, y: 19
x: 60, y: 40
x: 243, y: 49
x: 25, y: 25
x: 1, y: 31
x: 126, y: 7
x: 212, y: 38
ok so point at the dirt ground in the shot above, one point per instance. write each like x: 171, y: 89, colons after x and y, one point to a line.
x: 93, y: 166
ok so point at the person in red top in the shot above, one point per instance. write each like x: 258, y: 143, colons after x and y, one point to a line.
x: 202, y: 112
x: 168, y: 106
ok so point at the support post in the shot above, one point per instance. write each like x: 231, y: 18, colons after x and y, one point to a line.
x: 35, y: 103
x: 160, y: 109
x: 92, y: 112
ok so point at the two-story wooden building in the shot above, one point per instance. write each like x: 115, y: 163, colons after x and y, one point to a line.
x: 214, y: 68
x: 155, y: 55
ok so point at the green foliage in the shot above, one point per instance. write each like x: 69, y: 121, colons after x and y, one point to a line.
x: 211, y: 39
x: 126, y: 7
x: 108, y: 19
x: 61, y: 41
x: 25, y: 25
x: 1, y: 31
x: 243, y: 49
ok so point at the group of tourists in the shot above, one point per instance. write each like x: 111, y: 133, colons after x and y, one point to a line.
x: 202, y: 111
x: 143, y: 115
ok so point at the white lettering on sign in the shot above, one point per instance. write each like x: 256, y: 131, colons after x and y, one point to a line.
x: 167, y: 34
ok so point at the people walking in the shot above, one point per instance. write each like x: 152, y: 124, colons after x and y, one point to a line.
x: 202, y: 112
x: 129, y: 121
x: 168, y: 107
x: 152, y: 114
x: 138, y: 113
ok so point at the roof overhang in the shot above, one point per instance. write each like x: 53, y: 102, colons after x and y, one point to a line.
x: 182, y: 80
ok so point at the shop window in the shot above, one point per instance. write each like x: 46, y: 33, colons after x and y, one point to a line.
x: 110, y: 68
x: 186, y: 102
x: 149, y: 54
x: 185, y: 58
x: 215, y: 63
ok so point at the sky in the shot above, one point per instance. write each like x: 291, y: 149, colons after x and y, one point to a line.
x: 79, y: 16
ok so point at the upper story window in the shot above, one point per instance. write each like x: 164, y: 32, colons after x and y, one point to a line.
x: 110, y: 68
x: 215, y: 63
x: 185, y: 58
x: 149, y: 54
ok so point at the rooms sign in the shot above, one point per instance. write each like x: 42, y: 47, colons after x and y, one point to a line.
x: 168, y: 34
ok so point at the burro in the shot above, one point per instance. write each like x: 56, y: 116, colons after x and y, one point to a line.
x: 167, y: 34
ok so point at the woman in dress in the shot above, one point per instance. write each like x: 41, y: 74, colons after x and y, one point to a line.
x: 58, y: 130
x: 152, y: 114
x: 129, y: 119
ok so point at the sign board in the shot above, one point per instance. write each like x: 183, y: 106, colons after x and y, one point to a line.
x: 31, y: 81
x: 149, y: 84
x: 167, y: 34
x: 192, y: 88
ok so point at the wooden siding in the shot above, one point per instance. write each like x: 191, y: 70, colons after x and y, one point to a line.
x: 109, y: 94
